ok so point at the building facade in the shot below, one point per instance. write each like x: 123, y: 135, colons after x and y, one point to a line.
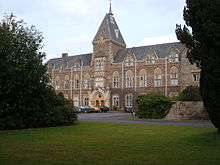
x: 113, y: 75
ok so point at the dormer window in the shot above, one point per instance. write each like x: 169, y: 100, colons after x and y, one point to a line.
x: 173, y: 57
x: 76, y: 66
x: 117, y: 32
x: 129, y: 61
x: 150, y: 60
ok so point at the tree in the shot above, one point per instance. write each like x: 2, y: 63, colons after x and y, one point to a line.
x: 153, y: 105
x: 27, y: 99
x: 203, y: 43
x: 190, y: 93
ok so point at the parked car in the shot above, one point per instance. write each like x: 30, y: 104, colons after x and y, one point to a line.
x: 103, y: 108
x: 96, y: 109
x: 84, y: 109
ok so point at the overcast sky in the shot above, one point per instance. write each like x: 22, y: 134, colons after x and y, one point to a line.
x: 70, y: 25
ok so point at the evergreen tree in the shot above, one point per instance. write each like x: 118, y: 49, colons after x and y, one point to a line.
x: 26, y: 98
x: 203, y: 43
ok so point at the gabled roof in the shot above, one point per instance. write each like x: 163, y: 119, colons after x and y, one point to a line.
x: 110, y: 29
x: 140, y: 53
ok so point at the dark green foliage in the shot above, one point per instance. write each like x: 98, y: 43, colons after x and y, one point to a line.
x: 190, y: 93
x: 153, y: 105
x: 26, y: 99
x: 203, y: 17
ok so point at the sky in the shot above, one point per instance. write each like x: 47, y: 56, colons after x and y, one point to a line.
x: 69, y: 26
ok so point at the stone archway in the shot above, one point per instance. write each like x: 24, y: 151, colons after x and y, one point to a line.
x: 99, y: 97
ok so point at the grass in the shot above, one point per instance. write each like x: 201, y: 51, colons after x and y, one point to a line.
x: 90, y: 143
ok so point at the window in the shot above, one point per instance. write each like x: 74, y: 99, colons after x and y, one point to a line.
x: 76, y: 82
x: 57, y: 84
x: 174, y: 76
x: 86, y: 101
x: 66, y: 84
x: 76, y: 66
x: 142, y: 78
x: 117, y: 32
x: 76, y: 101
x: 157, y: 77
x: 157, y: 80
x: 86, y: 84
x: 196, y: 77
x: 128, y: 100
x: 143, y: 81
x: 150, y: 60
x: 129, y: 61
x: 116, y: 101
x: 99, y: 82
x: 116, y: 80
x: 128, y: 79
x: 99, y: 65
x: 173, y: 57
x: 62, y: 68
x: 174, y: 79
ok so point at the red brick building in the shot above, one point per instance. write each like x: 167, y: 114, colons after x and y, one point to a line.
x: 114, y: 75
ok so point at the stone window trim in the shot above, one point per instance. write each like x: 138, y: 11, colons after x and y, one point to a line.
x: 150, y: 59
x: 128, y: 100
x: 129, y: 61
x: 86, y: 101
x: 115, y: 101
x: 99, y: 65
x: 99, y: 82
x: 173, y: 57
x: 143, y: 81
x: 196, y: 77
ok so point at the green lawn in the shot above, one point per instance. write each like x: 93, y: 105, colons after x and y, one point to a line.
x: 90, y: 143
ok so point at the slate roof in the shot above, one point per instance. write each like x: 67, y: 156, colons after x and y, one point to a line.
x: 140, y: 53
x: 110, y: 29
x: 84, y: 58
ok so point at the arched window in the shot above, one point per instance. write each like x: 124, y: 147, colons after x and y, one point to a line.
x: 174, y: 76
x: 128, y: 100
x: 66, y: 82
x: 57, y: 83
x: 87, y: 81
x: 115, y: 79
x: 129, y: 61
x: 157, y: 77
x: 143, y: 78
x: 76, y: 82
x: 129, y: 79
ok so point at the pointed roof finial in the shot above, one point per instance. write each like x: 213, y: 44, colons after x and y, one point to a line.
x: 110, y: 8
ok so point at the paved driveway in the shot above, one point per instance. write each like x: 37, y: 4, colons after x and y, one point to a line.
x: 117, y: 117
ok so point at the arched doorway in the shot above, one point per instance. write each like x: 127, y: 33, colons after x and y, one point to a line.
x: 99, y: 99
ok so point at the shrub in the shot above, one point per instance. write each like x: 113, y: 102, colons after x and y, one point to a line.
x: 153, y: 105
x: 190, y: 93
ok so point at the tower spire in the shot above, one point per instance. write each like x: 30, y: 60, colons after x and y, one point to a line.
x: 110, y: 8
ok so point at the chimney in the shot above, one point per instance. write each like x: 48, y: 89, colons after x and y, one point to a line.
x: 64, y: 55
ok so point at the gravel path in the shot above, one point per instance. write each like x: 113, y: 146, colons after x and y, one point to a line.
x: 117, y: 117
